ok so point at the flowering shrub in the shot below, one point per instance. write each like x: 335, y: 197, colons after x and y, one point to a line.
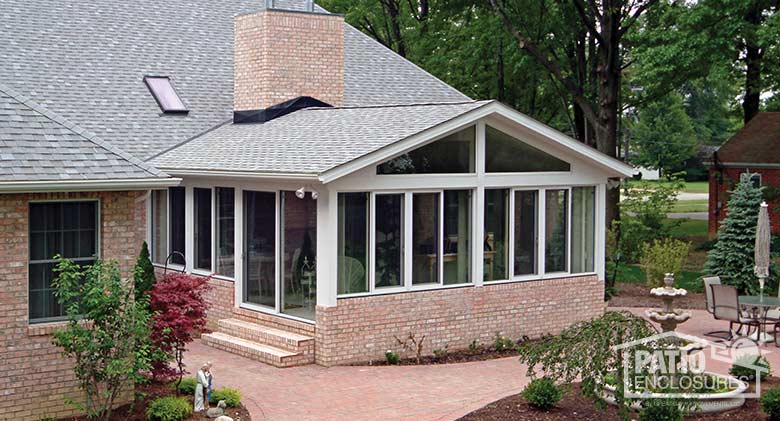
x: 179, y: 311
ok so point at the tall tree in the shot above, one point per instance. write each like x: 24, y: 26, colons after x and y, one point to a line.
x: 664, y: 136
x: 601, y: 26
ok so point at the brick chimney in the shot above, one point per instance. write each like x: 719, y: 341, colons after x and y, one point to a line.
x: 282, y: 54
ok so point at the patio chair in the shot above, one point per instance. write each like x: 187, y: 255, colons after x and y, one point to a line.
x: 708, y: 282
x: 725, y: 306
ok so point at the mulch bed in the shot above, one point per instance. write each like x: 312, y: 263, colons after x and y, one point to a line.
x: 137, y: 412
x: 638, y: 295
x: 452, y: 357
x: 574, y: 406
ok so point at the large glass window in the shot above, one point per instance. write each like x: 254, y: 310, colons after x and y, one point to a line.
x: 425, y: 238
x: 226, y: 231
x: 68, y: 229
x: 299, y: 251
x: 504, y: 153
x: 202, y: 228
x: 176, y: 225
x: 159, y: 226
x: 583, y: 229
x: 526, y: 229
x: 260, y: 247
x: 457, y: 235
x: 556, y: 224
x: 451, y: 154
x: 353, y: 243
x: 389, y: 240
x: 496, y: 234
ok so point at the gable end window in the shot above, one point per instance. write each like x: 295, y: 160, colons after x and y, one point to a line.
x: 68, y: 229
x: 453, y: 154
x: 165, y: 95
x: 504, y: 153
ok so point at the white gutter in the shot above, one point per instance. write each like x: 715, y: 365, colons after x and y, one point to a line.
x: 238, y: 174
x: 86, y: 185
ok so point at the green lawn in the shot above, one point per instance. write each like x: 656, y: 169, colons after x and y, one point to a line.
x: 690, y: 205
x: 690, y: 229
x: 634, y: 274
x: 692, y: 186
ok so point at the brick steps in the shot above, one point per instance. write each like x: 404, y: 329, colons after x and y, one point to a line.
x: 262, y: 343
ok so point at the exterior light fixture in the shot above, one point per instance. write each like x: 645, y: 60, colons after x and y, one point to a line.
x: 300, y: 193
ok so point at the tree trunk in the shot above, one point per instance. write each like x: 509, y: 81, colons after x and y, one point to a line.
x: 753, y: 56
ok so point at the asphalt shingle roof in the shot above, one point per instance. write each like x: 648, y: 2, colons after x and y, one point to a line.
x: 308, y: 141
x: 86, y: 60
x: 756, y: 143
x: 39, y: 145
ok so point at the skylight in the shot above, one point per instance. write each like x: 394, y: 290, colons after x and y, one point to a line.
x: 165, y: 95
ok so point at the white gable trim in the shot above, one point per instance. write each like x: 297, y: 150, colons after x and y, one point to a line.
x: 614, y: 167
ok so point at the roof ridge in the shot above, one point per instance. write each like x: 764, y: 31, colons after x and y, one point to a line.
x: 420, y: 104
x: 78, y: 130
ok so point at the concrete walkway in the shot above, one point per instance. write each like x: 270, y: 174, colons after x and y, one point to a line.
x: 701, y: 216
x: 431, y: 392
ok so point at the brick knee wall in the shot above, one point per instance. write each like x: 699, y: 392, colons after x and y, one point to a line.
x: 362, y: 329
x: 35, y: 378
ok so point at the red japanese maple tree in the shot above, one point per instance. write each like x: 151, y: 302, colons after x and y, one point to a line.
x: 178, y: 313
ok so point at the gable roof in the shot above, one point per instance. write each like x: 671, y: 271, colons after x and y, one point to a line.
x: 309, y: 141
x: 39, y: 145
x: 328, y: 143
x: 758, y: 142
x: 86, y: 60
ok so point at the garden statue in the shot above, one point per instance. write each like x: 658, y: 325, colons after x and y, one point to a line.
x: 201, y: 389
x: 668, y: 317
x: 218, y: 411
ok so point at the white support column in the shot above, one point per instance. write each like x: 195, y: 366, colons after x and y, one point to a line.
x: 189, y: 232
x: 601, y: 231
x: 542, y: 221
x: 478, y: 205
x: 327, y: 249
x: 238, y: 250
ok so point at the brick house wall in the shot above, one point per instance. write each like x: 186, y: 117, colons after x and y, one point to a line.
x: 362, y: 329
x: 723, y: 180
x: 35, y: 378
x: 281, y: 55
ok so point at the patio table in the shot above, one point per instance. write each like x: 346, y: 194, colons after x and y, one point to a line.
x: 763, y: 303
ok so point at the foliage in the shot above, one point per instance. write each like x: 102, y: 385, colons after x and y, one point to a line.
x: 732, y: 257
x: 440, y: 353
x: 664, y: 137
x: 585, y: 351
x: 392, y: 357
x: 107, y: 333
x: 232, y: 397
x: 168, y: 408
x: 501, y: 342
x: 660, y: 410
x: 662, y: 257
x: 187, y: 386
x: 143, y: 274
x: 413, y: 344
x: 475, y: 346
x: 643, y: 215
x: 742, y: 370
x: 179, y: 307
x: 542, y: 393
x: 770, y: 403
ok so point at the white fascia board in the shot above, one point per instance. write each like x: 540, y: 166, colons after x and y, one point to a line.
x: 86, y: 185
x: 618, y: 168
x: 239, y: 174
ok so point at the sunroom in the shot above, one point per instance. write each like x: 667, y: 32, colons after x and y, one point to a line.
x: 467, y: 198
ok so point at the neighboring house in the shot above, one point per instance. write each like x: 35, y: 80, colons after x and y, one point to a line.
x: 754, y: 149
x: 337, y: 194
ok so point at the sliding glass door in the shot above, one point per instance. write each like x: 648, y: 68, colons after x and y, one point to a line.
x: 298, y: 255
x: 260, y: 248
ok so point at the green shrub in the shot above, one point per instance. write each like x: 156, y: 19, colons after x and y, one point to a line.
x: 501, y: 343
x: 169, y: 408
x: 475, y: 346
x: 542, y: 393
x: 232, y: 397
x: 770, y: 403
x: 440, y: 353
x: 662, y: 257
x: 187, y: 386
x: 392, y: 357
x: 660, y: 410
x: 740, y: 371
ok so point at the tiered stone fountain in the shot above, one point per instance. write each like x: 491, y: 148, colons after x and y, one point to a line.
x: 669, y: 318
